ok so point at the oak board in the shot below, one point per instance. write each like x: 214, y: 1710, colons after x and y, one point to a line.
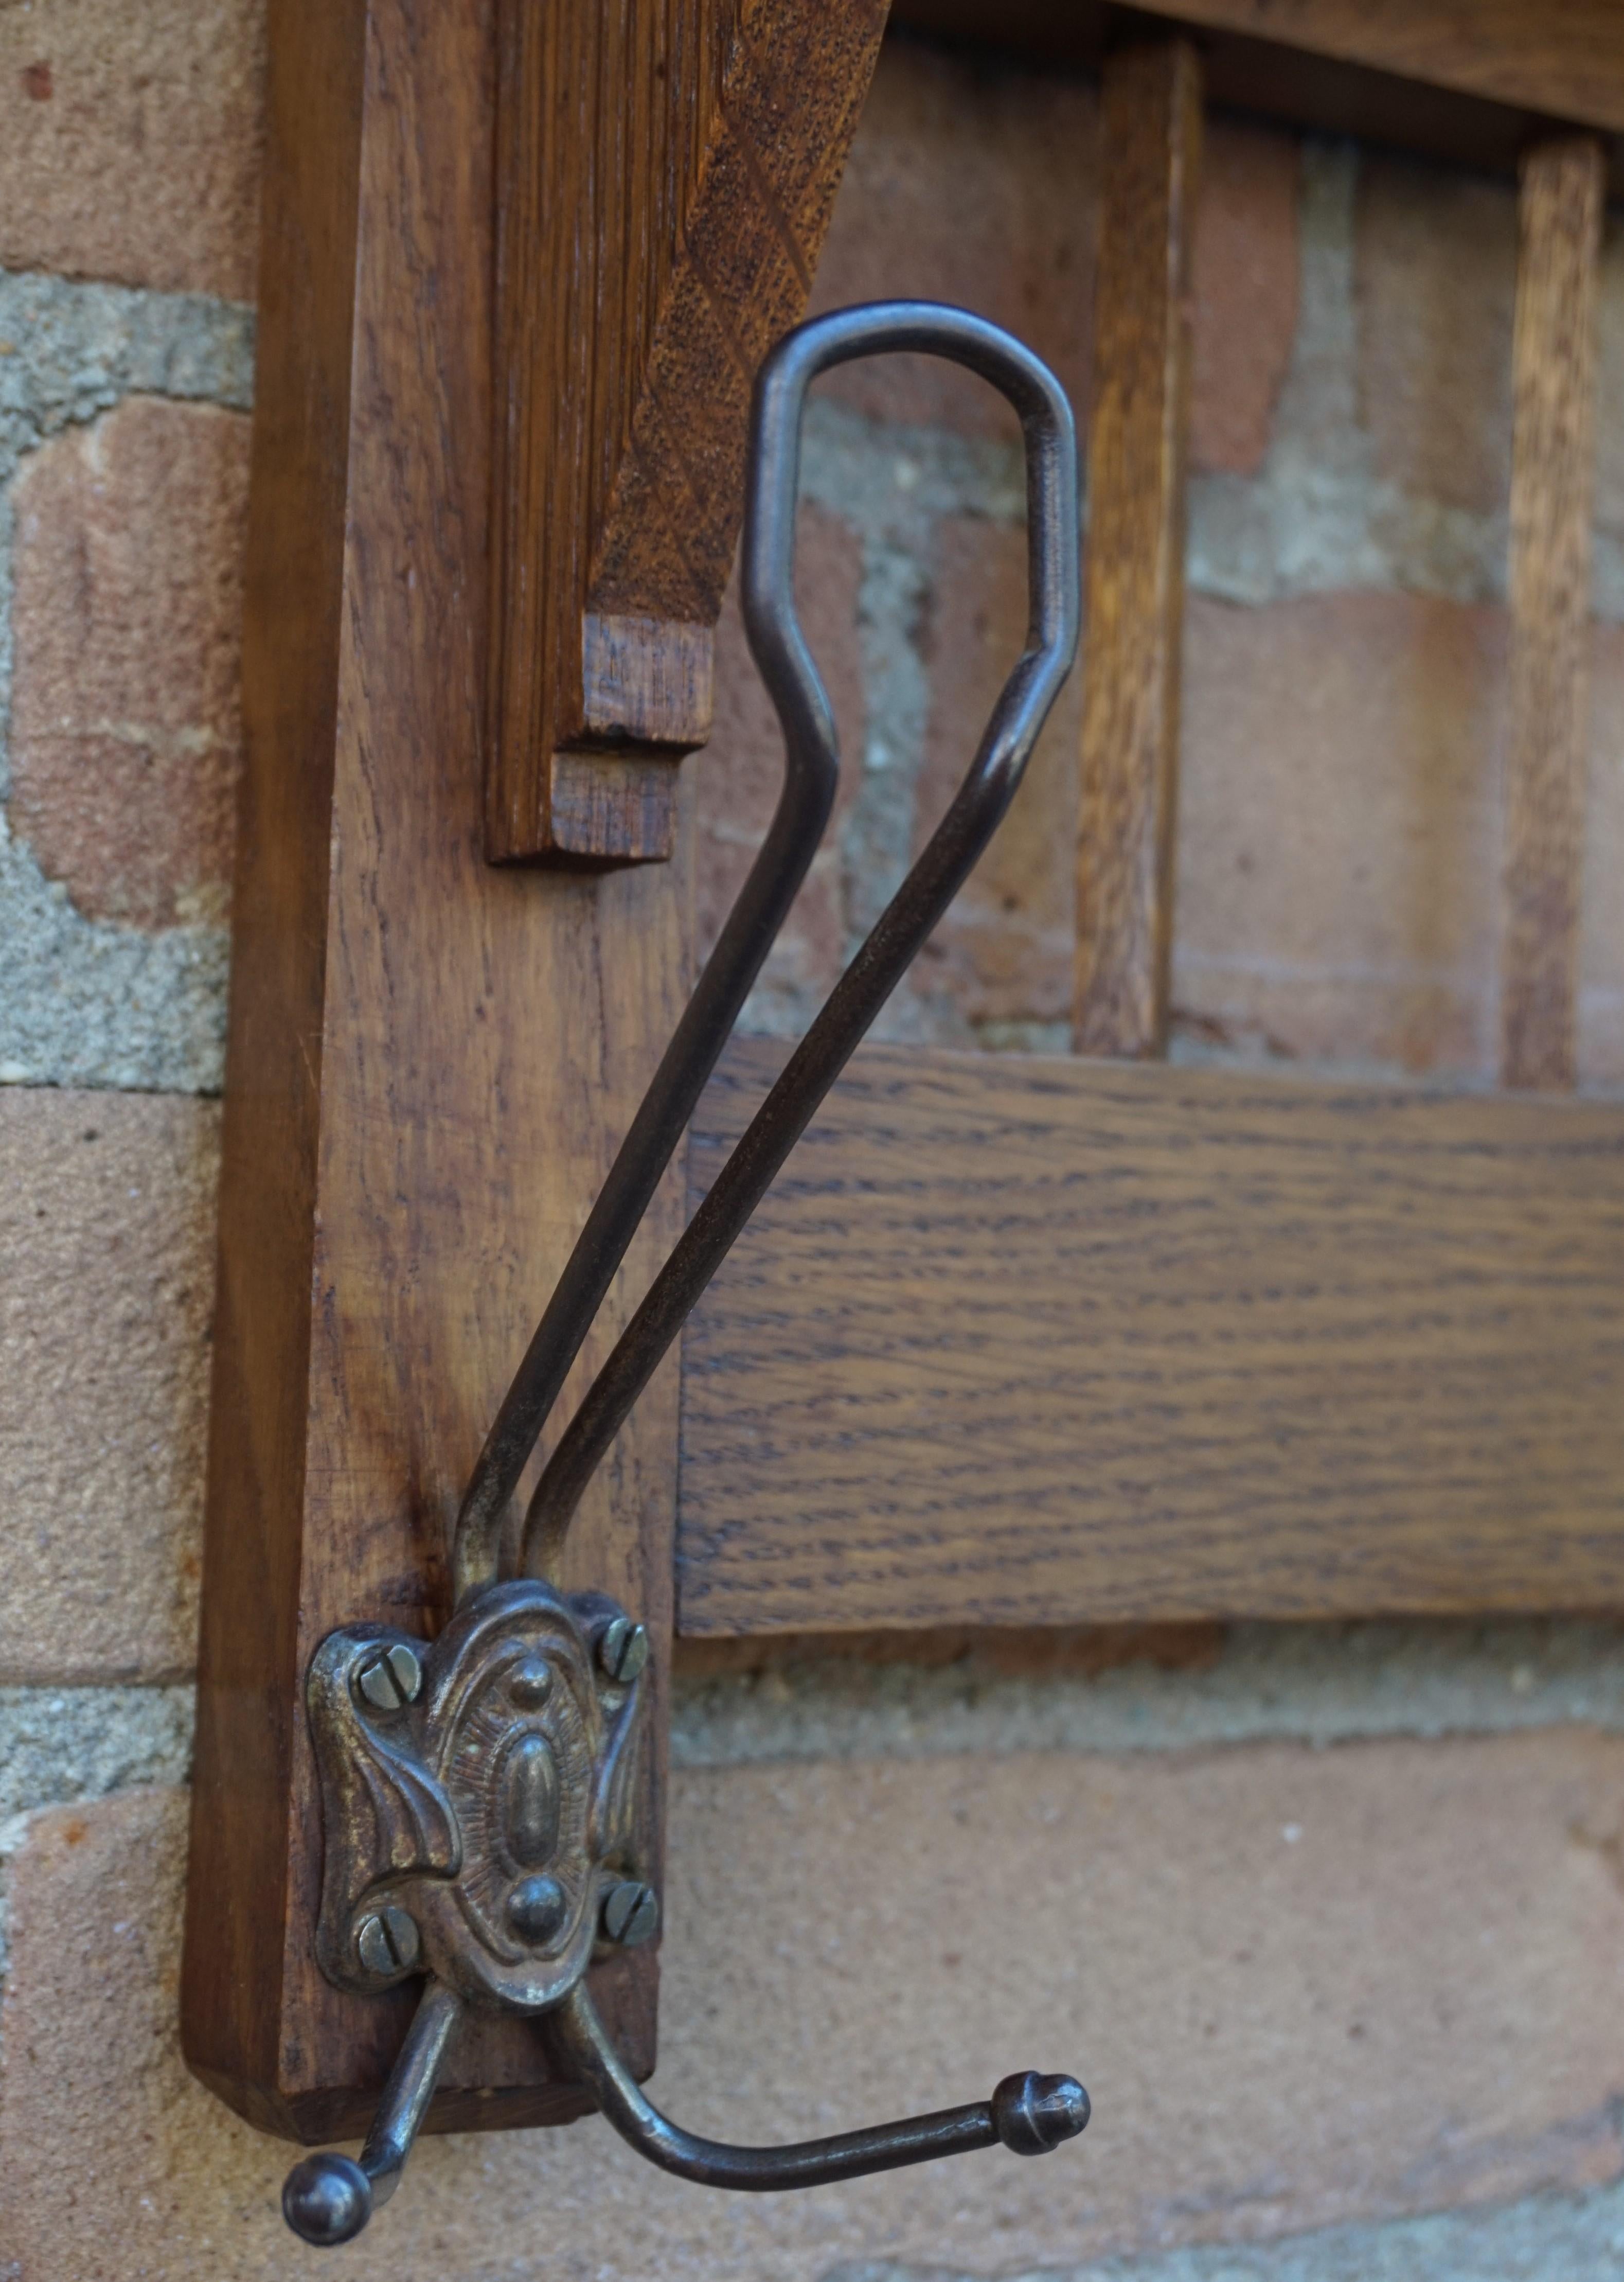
x: 1019, y: 1340
x: 1133, y: 549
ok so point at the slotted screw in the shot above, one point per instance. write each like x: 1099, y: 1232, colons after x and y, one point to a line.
x: 393, y: 1679
x: 388, y: 1941
x: 630, y: 1912
x: 623, y: 1649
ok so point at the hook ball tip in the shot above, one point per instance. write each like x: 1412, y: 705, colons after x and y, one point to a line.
x: 327, y: 2199
x: 1033, y: 2112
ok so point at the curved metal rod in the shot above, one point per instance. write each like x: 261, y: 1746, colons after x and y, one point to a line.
x: 327, y: 2199
x: 810, y: 774
x: 879, y: 965
x: 1029, y: 2114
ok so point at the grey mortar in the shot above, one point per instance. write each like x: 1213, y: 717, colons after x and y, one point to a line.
x: 1543, y: 2239
x: 61, y: 1746
x: 84, y: 1002
x: 1317, y: 1684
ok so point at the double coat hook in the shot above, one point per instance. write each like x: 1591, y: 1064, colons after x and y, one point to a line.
x: 477, y: 1793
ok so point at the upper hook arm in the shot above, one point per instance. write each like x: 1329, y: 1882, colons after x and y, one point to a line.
x: 786, y: 666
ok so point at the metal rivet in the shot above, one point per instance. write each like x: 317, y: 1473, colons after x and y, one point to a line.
x: 630, y: 1912
x: 388, y: 1942
x: 391, y: 1679
x: 531, y: 1683
x: 623, y: 1649
x: 537, y: 1909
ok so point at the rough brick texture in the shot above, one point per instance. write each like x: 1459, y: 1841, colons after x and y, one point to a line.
x: 975, y: 184
x: 978, y: 185
x: 106, y: 1230
x: 1609, y: 379
x: 1437, y: 278
x: 129, y: 140
x: 1338, y: 872
x: 1299, y: 1986
x: 1601, y: 949
x: 1245, y: 280
x: 127, y: 612
x: 1006, y: 951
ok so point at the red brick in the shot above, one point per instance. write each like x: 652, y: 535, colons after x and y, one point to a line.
x: 973, y: 183
x: 1339, y: 834
x: 1610, y: 380
x: 738, y: 775
x: 1005, y: 951
x: 1435, y: 276
x: 129, y: 140
x: 126, y: 731
x: 1601, y: 945
x: 1303, y: 1987
x: 1245, y: 281
x: 107, y: 1233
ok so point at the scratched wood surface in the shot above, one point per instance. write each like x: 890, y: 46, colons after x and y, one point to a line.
x: 417, y: 1117
x: 1133, y: 569
x: 1021, y: 1341
x: 666, y: 173
x: 1553, y: 487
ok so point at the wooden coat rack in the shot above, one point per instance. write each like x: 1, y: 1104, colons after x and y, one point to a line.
x: 432, y: 1059
x: 519, y: 266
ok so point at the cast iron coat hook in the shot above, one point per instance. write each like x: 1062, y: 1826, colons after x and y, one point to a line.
x: 487, y: 1731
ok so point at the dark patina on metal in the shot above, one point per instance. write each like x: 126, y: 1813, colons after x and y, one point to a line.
x: 477, y: 1793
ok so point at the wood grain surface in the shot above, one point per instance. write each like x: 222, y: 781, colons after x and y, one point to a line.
x: 1323, y: 85
x: 666, y: 173
x: 1133, y: 568
x: 1553, y: 488
x: 1020, y: 1341
x: 1562, y: 57
x: 418, y: 1109
x: 1564, y: 60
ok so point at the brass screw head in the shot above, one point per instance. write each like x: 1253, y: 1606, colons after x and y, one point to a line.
x: 630, y: 1913
x: 391, y: 1680
x: 623, y: 1649
x: 388, y: 1941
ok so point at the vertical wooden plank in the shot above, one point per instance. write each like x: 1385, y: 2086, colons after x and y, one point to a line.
x: 666, y: 170
x: 418, y: 1111
x: 1554, y: 355
x: 1134, y: 574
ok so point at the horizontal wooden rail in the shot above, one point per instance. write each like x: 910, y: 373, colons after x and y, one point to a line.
x: 1468, y: 80
x: 1041, y: 1341
x: 1563, y: 58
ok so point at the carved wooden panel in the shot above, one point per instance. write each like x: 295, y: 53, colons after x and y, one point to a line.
x: 666, y: 171
x: 1032, y: 1340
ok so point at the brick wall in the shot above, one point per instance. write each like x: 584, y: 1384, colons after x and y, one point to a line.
x: 1329, y: 1919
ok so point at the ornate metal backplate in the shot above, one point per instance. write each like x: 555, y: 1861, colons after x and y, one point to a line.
x: 477, y: 1794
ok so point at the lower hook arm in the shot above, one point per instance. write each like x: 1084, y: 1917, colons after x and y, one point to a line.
x: 329, y: 2198
x: 1029, y: 2114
